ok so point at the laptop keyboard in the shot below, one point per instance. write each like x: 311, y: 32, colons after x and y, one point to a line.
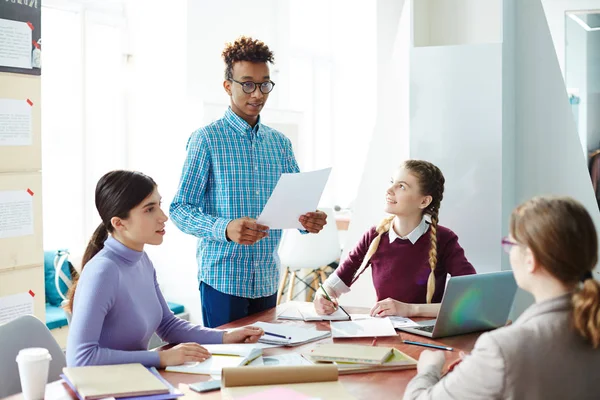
x: 428, y: 328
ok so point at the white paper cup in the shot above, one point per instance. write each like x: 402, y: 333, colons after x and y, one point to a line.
x: 33, y: 364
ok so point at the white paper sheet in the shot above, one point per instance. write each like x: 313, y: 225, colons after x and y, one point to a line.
x: 298, y: 334
x: 213, y: 365
x: 305, y: 311
x: 397, y: 322
x: 373, y: 327
x: 235, y: 348
x: 16, y: 213
x: 14, y: 306
x: 280, y: 360
x: 15, y: 123
x: 228, y: 357
x: 15, y: 44
x: 293, y: 196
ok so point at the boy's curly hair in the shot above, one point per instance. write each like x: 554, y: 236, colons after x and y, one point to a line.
x: 245, y: 49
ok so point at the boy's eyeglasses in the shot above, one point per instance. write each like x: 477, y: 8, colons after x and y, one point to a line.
x: 249, y: 87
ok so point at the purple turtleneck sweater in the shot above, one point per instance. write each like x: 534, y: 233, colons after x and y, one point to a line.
x: 118, y: 306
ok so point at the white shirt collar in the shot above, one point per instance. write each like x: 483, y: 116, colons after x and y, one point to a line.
x: 416, y: 233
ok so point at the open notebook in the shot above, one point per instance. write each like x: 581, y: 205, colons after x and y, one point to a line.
x: 305, y: 311
x: 294, y: 335
x: 222, y: 357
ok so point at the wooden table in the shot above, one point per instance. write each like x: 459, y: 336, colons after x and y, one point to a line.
x: 377, y: 385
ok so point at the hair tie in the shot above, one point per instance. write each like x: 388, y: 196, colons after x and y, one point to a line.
x: 586, y: 276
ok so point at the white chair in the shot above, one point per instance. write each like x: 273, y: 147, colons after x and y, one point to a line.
x: 20, y: 333
x: 308, y: 251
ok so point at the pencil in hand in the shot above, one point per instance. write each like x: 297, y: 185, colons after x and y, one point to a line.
x: 327, y: 296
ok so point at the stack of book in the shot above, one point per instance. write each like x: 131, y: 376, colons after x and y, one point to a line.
x: 352, y: 358
x: 122, y: 381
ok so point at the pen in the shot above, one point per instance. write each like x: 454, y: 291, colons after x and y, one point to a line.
x: 326, y: 294
x: 434, y: 346
x: 329, y: 298
x: 277, y: 335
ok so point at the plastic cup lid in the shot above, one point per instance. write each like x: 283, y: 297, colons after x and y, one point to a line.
x: 34, y: 354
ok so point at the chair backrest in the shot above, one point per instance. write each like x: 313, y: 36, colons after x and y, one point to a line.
x: 25, y: 331
x: 298, y: 251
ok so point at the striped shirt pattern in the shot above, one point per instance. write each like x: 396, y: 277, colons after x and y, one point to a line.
x: 230, y: 172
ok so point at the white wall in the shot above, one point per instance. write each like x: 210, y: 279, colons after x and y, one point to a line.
x: 549, y: 157
x: 576, y: 74
x: 390, y: 143
x: 509, y: 112
x: 456, y: 123
x: 555, y: 15
x: 158, y: 129
x: 593, y: 93
x: 455, y: 22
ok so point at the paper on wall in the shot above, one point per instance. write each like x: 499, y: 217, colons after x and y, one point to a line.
x: 15, y: 123
x: 14, y: 306
x: 16, y: 213
x: 15, y: 44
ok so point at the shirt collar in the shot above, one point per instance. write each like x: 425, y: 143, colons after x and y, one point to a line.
x: 415, y: 234
x: 242, y: 127
x: 130, y: 256
x: 556, y: 304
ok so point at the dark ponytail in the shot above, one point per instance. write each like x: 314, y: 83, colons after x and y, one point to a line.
x: 117, y: 193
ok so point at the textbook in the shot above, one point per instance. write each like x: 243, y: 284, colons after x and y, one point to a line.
x: 351, y: 353
x: 398, y: 361
x: 121, y: 380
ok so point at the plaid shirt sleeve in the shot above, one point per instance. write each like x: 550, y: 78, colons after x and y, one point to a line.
x: 291, y: 164
x: 186, y: 209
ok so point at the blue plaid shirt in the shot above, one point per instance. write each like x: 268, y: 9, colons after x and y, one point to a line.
x: 230, y: 171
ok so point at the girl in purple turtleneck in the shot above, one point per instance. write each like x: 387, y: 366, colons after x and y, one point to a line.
x: 408, y: 252
x: 116, y: 302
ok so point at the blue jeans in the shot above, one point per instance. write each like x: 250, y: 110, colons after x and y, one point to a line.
x: 219, y: 308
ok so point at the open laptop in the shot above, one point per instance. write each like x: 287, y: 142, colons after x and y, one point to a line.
x: 471, y: 303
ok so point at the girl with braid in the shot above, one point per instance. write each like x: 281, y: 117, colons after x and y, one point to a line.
x: 409, y: 254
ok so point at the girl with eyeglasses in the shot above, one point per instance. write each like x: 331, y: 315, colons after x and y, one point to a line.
x: 551, y: 350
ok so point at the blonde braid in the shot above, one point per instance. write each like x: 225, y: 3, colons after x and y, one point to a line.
x: 431, y: 183
x: 432, y: 258
x: 383, y: 227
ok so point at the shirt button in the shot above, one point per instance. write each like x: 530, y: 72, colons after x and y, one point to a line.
x: 257, y: 192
